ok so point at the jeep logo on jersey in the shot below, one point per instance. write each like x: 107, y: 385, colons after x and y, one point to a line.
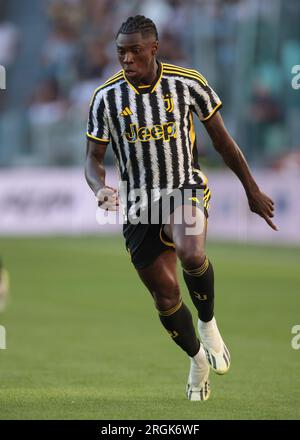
x: 145, y: 134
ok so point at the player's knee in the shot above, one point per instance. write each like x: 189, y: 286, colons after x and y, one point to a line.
x: 165, y: 303
x: 191, y: 257
x: 167, y: 296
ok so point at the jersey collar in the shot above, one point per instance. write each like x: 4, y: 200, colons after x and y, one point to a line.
x: 151, y: 88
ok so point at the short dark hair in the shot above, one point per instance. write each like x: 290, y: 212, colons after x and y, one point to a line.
x: 139, y: 23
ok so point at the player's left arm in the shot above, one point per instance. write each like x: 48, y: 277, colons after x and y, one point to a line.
x: 259, y: 202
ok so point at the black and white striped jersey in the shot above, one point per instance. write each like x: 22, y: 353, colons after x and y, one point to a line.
x: 151, y: 128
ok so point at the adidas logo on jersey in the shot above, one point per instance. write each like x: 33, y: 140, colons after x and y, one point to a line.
x: 126, y: 112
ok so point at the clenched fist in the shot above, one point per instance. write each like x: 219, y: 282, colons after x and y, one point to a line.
x: 108, y: 198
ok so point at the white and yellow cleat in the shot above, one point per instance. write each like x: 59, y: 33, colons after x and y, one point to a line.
x: 198, y: 386
x: 217, y: 353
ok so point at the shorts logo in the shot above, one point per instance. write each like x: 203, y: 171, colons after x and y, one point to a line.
x: 194, y: 199
x: 145, y: 134
x: 169, y: 103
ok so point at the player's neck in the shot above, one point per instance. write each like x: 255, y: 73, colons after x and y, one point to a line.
x: 151, y: 75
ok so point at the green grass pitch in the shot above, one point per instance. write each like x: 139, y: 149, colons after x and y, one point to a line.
x: 84, y: 340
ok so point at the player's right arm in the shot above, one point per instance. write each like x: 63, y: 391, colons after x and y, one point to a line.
x: 95, y: 176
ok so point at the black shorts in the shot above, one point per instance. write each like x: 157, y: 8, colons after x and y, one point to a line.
x: 145, y: 242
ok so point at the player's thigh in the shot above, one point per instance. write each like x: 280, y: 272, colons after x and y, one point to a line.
x: 160, y: 277
x: 187, y: 228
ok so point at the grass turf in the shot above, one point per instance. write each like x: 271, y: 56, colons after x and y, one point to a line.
x: 84, y: 340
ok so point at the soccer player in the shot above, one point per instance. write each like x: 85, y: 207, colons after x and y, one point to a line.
x: 146, y: 111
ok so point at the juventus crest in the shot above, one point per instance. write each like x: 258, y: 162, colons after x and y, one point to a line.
x: 169, y: 103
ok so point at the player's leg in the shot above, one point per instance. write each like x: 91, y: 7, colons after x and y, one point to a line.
x: 160, y: 278
x: 199, y: 277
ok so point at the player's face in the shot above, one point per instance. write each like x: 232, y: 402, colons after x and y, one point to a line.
x: 136, y: 54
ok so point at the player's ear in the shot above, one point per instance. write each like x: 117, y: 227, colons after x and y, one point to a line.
x: 154, y: 47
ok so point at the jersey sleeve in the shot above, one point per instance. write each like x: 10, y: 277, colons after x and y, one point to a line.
x: 97, y: 127
x: 204, y: 100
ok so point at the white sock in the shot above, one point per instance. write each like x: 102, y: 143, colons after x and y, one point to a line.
x: 199, y: 367
x: 210, y: 334
x: 198, y: 358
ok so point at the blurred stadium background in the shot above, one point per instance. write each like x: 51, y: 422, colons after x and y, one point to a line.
x: 83, y: 339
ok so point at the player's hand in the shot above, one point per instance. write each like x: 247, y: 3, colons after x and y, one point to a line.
x: 108, y: 198
x: 262, y: 205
